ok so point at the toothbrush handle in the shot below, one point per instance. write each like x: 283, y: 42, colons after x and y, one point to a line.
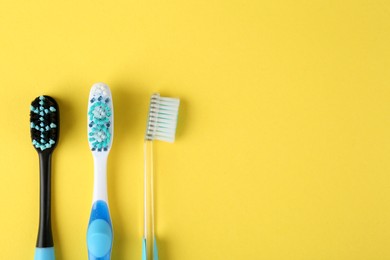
x: 100, y: 232
x: 45, y: 247
x: 155, y: 251
x: 149, y: 250
x: 99, y: 235
x: 45, y: 253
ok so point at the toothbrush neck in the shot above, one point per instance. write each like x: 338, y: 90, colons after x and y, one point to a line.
x: 45, y: 238
x: 100, y: 177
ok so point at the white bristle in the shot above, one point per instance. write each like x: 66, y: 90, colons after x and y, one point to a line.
x: 162, y: 118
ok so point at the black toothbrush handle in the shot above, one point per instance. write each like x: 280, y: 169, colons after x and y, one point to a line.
x: 45, y: 237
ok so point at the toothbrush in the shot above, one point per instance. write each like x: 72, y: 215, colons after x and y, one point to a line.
x: 161, y: 125
x: 44, y: 128
x: 100, y: 134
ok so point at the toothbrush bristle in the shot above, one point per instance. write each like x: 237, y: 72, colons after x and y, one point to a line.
x: 44, y: 123
x: 100, y: 118
x: 162, y: 118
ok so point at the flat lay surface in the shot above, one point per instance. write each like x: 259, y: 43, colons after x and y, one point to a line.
x: 282, y: 149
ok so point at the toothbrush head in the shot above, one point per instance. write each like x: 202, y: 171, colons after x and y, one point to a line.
x: 44, y: 123
x: 162, y: 118
x: 100, y: 118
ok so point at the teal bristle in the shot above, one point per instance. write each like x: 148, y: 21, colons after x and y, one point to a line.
x: 43, y: 120
x: 100, y: 119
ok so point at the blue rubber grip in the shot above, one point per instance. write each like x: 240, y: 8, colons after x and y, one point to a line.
x: 44, y: 253
x: 155, y: 251
x: 99, y: 235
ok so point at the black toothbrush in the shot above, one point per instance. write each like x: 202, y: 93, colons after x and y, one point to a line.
x: 44, y: 128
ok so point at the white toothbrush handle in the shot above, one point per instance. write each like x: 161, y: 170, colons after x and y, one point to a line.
x: 100, y: 232
x: 149, y: 244
x: 100, y: 177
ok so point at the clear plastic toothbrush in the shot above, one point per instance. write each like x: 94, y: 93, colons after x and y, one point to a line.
x: 100, y: 134
x: 161, y: 125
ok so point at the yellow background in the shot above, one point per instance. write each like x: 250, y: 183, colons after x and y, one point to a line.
x: 282, y: 151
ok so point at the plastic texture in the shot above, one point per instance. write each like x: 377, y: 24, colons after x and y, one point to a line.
x: 100, y: 134
x: 149, y: 199
x: 100, y: 234
x: 44, y: 129
x: 144, y: 250
x: 45, y: 237
x: 44, y: 253
x: 100, y: 177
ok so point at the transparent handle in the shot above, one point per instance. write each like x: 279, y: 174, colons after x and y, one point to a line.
x: 149, y: 236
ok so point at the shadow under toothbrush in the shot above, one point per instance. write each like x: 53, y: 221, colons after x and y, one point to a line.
x: 163, y: 243
x: 163, y: 248
x: 126, y: 119
x: 66, y: 126
x: 182, y: 119
x: 130, y: 117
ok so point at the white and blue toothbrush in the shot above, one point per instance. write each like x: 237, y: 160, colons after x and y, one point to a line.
x: 100, y: 134
x: 161, y: 125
